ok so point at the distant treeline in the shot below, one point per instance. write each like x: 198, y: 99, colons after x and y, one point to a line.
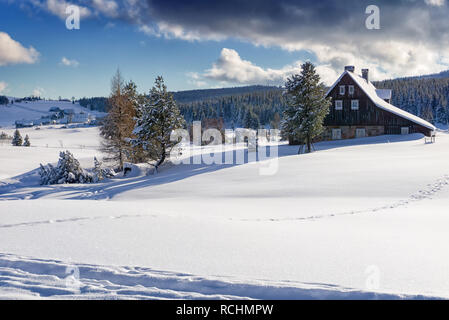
x: 255, y: 106
x: 95, y: 103
x: 4, y: 100
x: 254, y: 109
x: 205, y: 94
x: 425, y: 97
x: 252, y: 106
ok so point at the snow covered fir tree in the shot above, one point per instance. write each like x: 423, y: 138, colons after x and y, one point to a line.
x: 307, y: 106
x: 26, y: 142
x: 17, y: 139
x: 158, y: 116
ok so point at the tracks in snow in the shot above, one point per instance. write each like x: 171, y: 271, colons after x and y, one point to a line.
x: 427, y: 193
x: 22, y: 277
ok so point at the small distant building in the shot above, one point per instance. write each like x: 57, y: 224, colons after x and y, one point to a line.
x: 24, y: 123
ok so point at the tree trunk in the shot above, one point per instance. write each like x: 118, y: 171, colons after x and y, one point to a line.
x: 160, y: 161
x: 309, y: 147
x: 121, y: 159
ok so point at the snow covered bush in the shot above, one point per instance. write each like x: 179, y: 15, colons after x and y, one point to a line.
x: 68, y: 170
x: 99, y: 173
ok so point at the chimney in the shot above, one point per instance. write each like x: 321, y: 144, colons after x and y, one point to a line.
x: 350, y: 68
x: 365, y: 73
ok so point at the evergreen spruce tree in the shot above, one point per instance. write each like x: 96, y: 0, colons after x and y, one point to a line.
x: 251, y: 120
x: 157, y: 117
x: 307, y: 106
x: 26, y: 142
x: 17, y: 139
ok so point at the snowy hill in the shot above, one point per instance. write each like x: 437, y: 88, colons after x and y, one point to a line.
x: 33, y: 110
x: 362, y: 218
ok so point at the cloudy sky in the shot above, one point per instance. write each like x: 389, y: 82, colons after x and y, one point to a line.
x: 206, y: 43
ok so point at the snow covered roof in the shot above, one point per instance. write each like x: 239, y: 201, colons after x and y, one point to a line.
x: 384, y: 93
x: 371, y: 91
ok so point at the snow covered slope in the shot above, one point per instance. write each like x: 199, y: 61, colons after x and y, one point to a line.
x: 362, y: 218
x: 33, y: 110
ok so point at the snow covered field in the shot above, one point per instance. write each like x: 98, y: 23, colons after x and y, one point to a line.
x: 362, y: 218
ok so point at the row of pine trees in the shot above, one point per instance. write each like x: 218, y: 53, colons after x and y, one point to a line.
x: 138, y: 126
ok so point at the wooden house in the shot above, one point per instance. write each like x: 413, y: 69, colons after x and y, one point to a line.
x: 359, y: 109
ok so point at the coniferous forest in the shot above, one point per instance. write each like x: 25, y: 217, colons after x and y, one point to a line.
x: 262, y: 106
x: 425, y: 97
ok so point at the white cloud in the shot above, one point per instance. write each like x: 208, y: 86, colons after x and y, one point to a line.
x: 38, y: 92
x: 437, y: 3
x: 58, y: 8
x: 3, y: 87
x: 196, y: 79
x: 174, y: 31
x: 231, y: 68
x: 69, y: 63
x: 107, y: 7
x: 12, y: 52
x: 149, y: 31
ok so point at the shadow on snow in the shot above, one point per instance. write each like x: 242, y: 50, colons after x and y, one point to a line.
x: 26, y: 186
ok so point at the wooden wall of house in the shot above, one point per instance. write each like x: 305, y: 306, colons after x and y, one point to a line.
x: 368, y: 114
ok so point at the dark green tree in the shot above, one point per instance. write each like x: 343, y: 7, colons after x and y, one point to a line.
x: 17, y: 139
x: 307, y: 106
x: 251, y: 120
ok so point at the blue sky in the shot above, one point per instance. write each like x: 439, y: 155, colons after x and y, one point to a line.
x: 204, y: 44
x: 100, y: 48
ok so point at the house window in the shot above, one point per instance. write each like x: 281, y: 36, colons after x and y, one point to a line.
x: 354, y: 104
x: 360, y: 133
x: 351, y: 90
x: 404, y: 130
x: 336, y: 134
x: 342, y: 90
x: 338, y: 104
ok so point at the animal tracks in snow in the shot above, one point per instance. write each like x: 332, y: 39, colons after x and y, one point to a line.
x: 420, y: 195
x: 74, y: 219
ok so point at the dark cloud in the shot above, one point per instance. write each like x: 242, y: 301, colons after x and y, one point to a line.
x: 413, y: 39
